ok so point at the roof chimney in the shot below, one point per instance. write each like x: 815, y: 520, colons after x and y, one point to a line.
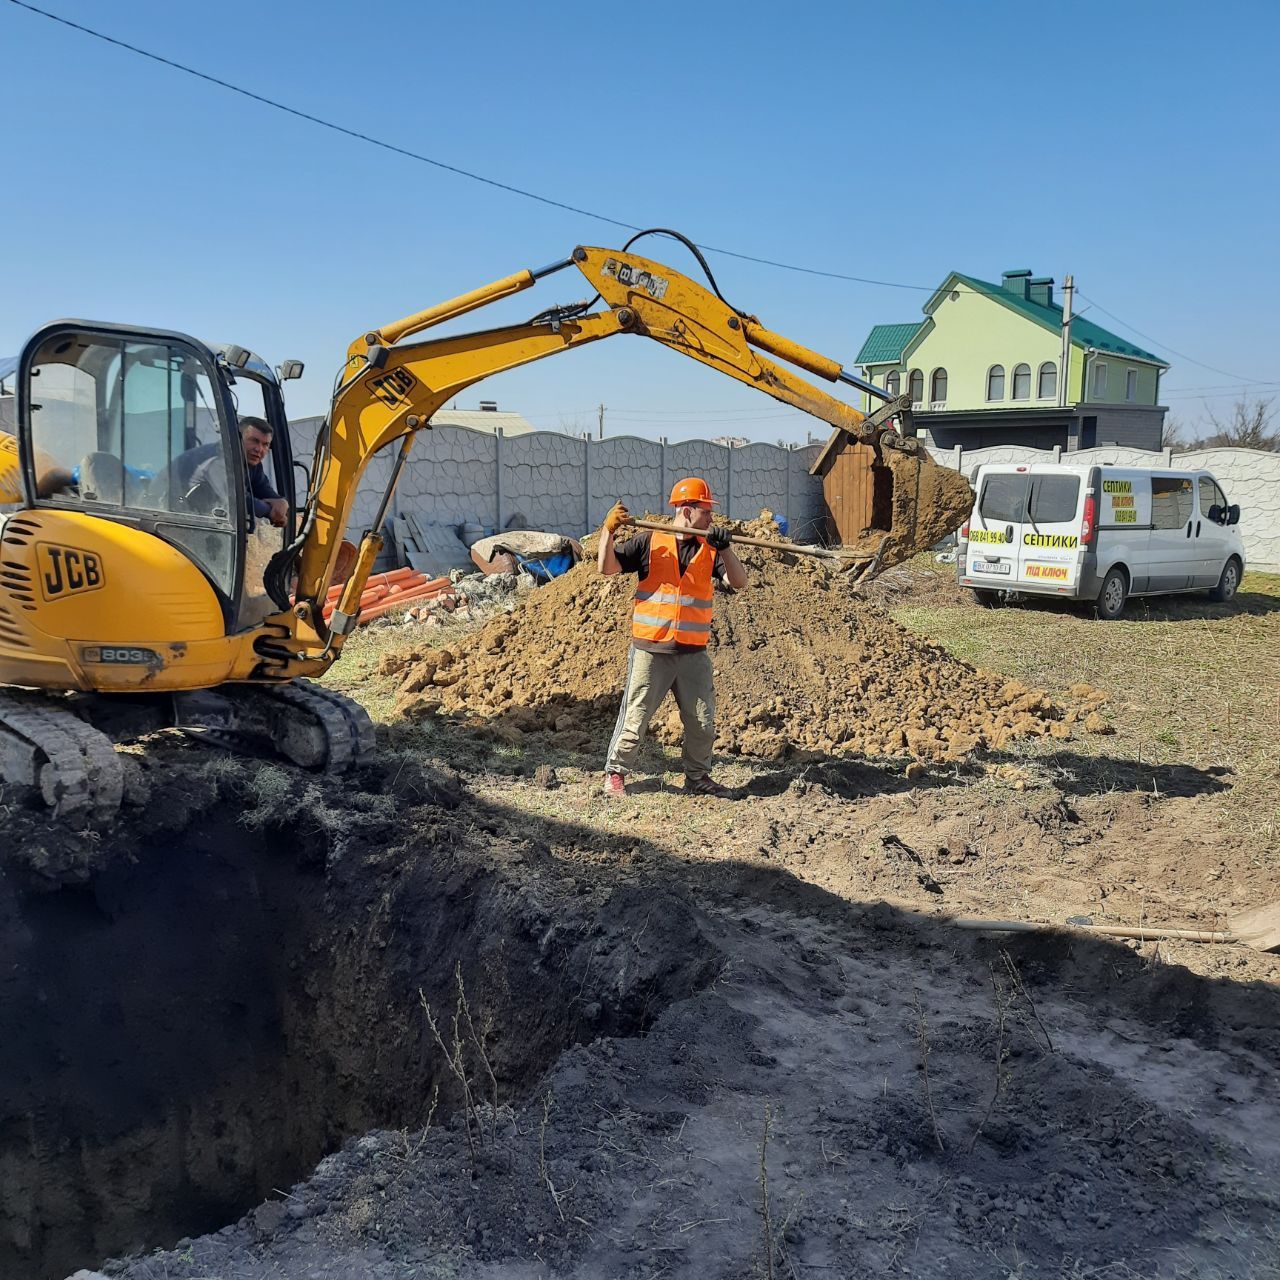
x: 1040, y: 291
x: 1015, y: 282
x: 491, y: 406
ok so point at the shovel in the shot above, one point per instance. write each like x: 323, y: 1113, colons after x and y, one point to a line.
x: 1259, y: 929
x: 845, y: 560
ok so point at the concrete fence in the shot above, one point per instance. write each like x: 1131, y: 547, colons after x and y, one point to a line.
x: 1250, y: 477
x: 565, y: 484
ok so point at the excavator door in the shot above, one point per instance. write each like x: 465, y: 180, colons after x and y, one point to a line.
x: 136, y: 427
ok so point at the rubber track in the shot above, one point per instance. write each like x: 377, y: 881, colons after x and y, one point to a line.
x: 88, y: 777
x: 347, y: 728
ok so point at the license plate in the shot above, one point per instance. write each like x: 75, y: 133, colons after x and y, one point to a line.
x: 992, y: 566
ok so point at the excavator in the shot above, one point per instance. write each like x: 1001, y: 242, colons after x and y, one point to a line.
x: 130, y: 598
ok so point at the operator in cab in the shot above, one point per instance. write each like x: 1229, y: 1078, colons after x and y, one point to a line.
x: 255, y: 441
x: 670, y: 630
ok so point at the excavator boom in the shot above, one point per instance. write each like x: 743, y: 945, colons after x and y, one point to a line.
x: 391, y: 387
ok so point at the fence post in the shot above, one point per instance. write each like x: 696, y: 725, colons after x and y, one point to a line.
x: 586, y: 483
x: 788, y: 458
x: 958, y: 454
x: 497, y: 488
x: 728, y: 482
x: 662, y: 469
x: 1057, y: 453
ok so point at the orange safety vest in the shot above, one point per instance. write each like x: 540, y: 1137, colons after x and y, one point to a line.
x: 671, y: 607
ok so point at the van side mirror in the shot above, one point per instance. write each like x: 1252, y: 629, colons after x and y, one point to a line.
x: 1233, y: 513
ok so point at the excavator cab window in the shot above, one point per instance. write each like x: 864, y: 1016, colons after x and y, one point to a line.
x: 135, y: 428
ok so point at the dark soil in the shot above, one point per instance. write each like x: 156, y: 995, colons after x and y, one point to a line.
x: 204, y: 1020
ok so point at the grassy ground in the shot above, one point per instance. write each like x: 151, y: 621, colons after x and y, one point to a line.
x: 1189, y: 681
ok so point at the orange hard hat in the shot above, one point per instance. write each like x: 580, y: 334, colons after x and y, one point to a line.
x: 692, y: 493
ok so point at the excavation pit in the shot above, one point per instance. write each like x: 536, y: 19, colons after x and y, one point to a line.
x: 194, y: 1026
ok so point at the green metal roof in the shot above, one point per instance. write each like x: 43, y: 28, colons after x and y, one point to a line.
x: 886, y: 343
x: 1084, y: 333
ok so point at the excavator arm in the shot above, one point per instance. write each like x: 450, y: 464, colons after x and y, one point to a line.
x: 390, y: 388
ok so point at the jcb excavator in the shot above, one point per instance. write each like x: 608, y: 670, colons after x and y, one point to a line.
x: 128, y: 599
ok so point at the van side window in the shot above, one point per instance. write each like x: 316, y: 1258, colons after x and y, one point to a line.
x: 1211, y: 496
x: 1004, y: 499
x: 1054, y: 498
x: 1170, y: 501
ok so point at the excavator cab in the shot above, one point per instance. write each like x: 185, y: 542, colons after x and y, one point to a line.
x: 140, y: 427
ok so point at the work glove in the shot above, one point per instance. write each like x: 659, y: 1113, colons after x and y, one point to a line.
x: 617, y: 516
x: 718, y: 537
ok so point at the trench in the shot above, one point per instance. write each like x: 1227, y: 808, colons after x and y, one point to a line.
x: 189, y: 1033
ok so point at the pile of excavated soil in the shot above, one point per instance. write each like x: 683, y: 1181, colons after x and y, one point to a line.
x: 803, y: 664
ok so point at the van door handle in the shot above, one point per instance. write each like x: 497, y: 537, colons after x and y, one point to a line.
x: 1189, y: 528
x: 1197, y: 528
x: 1008, y: 533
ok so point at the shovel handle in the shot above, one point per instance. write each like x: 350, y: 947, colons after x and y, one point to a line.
x: 743, y: 540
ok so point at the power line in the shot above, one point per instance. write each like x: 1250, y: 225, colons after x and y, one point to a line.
x: 1182, y: 355
x: 424, y: 159
x: 548, y: 200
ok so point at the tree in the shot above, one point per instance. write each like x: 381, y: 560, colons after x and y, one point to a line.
x: 1248, y: 427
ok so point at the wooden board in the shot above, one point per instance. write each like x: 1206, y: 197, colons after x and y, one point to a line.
x: 848, y: 491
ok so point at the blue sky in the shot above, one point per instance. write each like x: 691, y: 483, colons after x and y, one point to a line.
x: 1132, y: 145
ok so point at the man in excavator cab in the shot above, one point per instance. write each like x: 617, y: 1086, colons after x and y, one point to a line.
x: 193, y: 469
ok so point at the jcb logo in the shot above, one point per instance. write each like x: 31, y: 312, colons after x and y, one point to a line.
x: 64, y: 570
x: 393, y: 388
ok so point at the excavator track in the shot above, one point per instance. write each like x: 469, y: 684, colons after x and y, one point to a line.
x: 314, y: 727
x: 47, y: 747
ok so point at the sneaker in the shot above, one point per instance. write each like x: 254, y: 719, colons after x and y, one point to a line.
x: 615, y: 784
x: 707, y: 786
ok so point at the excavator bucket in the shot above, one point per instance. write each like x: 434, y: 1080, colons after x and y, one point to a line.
x: 915, y: 503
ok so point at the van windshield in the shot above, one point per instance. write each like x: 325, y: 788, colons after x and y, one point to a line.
x: 1054, y: 498
x: 1004, y: 499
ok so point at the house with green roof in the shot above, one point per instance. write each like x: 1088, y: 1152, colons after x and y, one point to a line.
x: 984, y: 367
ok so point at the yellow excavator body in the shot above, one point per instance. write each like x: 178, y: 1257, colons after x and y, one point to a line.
x: 97, y: 605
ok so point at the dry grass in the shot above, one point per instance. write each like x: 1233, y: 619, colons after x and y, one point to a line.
x: 1189, y: 681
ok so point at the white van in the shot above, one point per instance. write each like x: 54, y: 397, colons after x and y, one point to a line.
x: 1098, y: 533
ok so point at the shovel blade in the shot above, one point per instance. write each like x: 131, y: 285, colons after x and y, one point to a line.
x: 1259, y: 928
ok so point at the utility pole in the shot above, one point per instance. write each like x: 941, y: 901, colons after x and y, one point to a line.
x: 1068, y: 287
x: 602, y: 422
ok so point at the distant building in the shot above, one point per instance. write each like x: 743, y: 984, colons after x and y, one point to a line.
x: 983, y: 368
x: 487, y: 418
x: 731, y: 442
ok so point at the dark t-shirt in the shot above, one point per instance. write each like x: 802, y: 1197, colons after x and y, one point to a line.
x: 259, y: 490
x: 633, y: 556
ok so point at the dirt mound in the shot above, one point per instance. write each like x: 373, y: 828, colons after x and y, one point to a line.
x: 803, y: 663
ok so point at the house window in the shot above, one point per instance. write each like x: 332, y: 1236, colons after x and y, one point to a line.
x: 915, y: 385
x: 1022, y: 382
x: 891, y: 383
x: 995, y: 382
x: 1047, y: 387
x: 1131, y: 384
x: 938, y: 387
x: 1099, y: 380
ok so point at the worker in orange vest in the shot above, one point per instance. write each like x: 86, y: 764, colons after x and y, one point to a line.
x: 670, y: 628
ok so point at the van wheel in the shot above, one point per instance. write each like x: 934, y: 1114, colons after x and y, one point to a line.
x: 987, y: 599
x: 1112, y: 597
x: 1228, y: 584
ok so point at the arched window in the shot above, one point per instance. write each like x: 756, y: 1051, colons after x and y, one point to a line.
x: 1022, y: 382
x: 995, y: 382
x: 1047, y: 387
x: 892, y: 383
x: 938, y: 387
x: 915, y: 385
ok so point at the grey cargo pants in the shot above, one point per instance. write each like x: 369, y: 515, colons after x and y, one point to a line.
x: 650, y: 677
